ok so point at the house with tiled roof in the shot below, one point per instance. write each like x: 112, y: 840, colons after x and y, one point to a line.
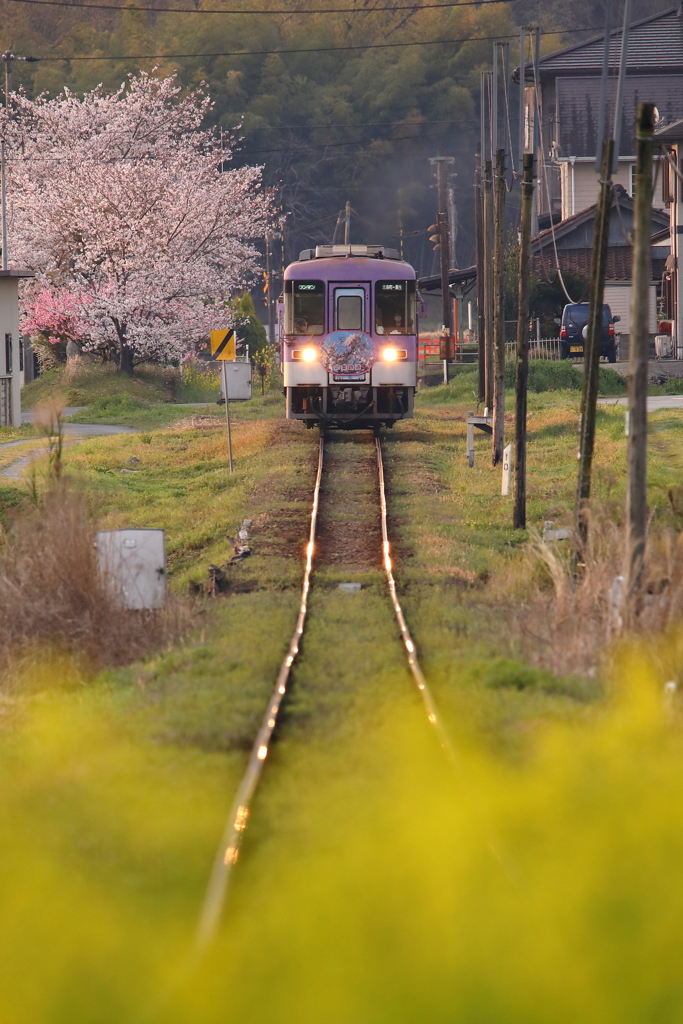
x: 570, y: 81
x: 569, y: 245
x: 670, y: 138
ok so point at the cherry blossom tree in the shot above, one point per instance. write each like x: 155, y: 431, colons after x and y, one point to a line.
x: 136, y: 227
x: 57, y: 314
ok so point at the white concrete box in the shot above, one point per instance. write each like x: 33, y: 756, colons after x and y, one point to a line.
x: 664, y: 346
x: 132, y: 564
x: 239, y: 380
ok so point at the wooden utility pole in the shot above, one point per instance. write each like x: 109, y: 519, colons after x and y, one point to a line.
x: 499, y: 310
x: 488, y: 280
x: 591, y: 359
x: 479, y: 245
x: 522, y: 364
x: 636, y: 496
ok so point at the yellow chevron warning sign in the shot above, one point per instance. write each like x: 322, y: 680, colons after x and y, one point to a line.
x: 223, y: 344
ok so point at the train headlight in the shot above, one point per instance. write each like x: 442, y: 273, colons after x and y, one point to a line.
x: 309, y: 355
x: 390, y: 354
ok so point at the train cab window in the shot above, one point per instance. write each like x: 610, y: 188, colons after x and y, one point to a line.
x: 395, y: 307
x: 304, y: 307
x: 348, y: 303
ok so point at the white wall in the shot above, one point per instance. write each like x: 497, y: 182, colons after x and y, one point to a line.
x: 618, y: 298
x: 9, y: 324
x: 586, y: 186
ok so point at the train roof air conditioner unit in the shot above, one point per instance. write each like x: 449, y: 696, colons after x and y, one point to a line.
x: 375, y: 251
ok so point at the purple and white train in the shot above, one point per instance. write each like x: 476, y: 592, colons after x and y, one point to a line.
x: 348, y: 337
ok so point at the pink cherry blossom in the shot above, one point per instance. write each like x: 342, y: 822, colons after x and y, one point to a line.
x: 118, y: 204
x: 60, y: 315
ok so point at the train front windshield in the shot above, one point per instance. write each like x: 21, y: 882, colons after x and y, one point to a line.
x: 395, y: 307
x: 304, y: 307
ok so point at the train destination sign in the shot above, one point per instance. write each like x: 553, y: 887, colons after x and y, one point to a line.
x: 223, y: 344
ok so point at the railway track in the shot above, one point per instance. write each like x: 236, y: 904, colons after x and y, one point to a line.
x: 229, y: 847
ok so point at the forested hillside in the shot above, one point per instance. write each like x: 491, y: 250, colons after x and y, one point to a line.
x: 356, y: 124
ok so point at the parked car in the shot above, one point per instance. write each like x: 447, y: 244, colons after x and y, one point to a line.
x: 573, y: 330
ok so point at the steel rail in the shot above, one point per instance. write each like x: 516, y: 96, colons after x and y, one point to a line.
x: 408, y: 643
x: 228, y: 850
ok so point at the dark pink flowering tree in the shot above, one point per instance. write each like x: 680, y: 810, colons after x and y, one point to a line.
x: 121, y: 204
x: 58, y: 314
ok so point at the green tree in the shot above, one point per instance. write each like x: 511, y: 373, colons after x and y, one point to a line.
x: 547, y: 298
x: 252, y: 331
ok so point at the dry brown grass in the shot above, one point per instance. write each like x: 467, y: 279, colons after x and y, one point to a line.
x: 52, y: 602
x: 571, y: 625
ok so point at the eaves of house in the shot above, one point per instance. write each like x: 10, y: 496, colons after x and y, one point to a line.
x: 573, y: 239
x: 655, y: 46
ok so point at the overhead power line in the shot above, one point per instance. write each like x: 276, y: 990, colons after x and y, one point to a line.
x: 275, y: 10
x: 336, y: 145
x: 349, y: 124
x: 310, y: 49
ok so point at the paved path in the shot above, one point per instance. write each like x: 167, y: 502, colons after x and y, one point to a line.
x: 76, y: 432
x: 80, y: 429
x: 654, y: 402
x: 71, y: 410
x: 15, y: 470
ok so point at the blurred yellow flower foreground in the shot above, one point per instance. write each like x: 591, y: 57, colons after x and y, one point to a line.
x: 392, y: 887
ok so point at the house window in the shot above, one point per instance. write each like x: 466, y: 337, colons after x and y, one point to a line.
x: 655, y: 172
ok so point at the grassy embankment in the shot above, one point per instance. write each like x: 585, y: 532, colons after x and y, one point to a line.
x: 129, y: 777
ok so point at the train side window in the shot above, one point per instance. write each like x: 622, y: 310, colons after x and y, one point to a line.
x: 304, y: 307
x: 395, y: 307
x: 349, y: 309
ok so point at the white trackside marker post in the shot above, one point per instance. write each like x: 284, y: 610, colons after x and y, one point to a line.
x: 227, y: 411
x: 507, y: 453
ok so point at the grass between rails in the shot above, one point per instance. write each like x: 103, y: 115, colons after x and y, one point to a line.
x: 361, y: 853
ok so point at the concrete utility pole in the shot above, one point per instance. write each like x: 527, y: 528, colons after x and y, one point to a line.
x: 636, y: 492
x: 452, y: 225
x: 479, y: 244
x: 591, y: 358
x: 499, y: 311
x: 521, y: 108
x: 522, y: 365
x: 442, y: 165
x: 347, y: 223
x: 619, y: 102
x: 539, y: 156
x: 488, y: 280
